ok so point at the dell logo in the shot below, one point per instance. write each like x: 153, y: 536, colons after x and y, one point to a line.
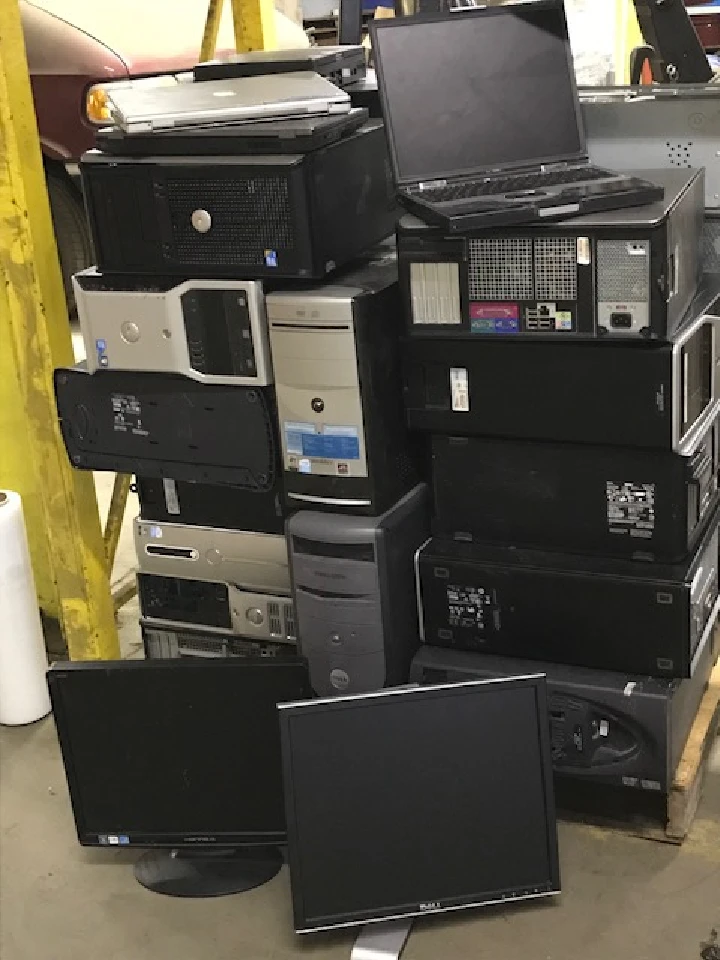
x: 430, y: 905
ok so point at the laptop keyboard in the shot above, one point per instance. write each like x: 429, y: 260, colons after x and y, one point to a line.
x: 525, y: 181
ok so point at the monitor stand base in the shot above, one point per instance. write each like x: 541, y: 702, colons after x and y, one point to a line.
x: 381, y: 941
x: 207, y: 872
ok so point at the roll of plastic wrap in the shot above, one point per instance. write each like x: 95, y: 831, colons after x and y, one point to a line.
x: 23, y: 662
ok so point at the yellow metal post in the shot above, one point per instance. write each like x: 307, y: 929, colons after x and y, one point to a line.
x: 212, y: 26
x: 35, y: 338
x: 115, y: 517
x: 254, y: 22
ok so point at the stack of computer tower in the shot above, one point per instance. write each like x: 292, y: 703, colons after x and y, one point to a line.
x: 193, y: 225
x: 567, y: 375
x: 242, y: 329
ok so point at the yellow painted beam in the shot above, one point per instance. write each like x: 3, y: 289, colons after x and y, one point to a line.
x: 255, y: 25
x: 212, y: 27
x: 35, y: 338
x: 627, y: 37
x: 115, y: 517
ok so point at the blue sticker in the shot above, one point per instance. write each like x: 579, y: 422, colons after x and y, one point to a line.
x: 271, y: 258
x: 123, y: 840
x: 500, y: 325
x: 101, y: 346
x: 326, y: 443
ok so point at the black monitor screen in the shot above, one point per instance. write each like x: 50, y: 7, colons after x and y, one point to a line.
x: 477, y: 90
x: 418, y: 800
x: 169, y: 752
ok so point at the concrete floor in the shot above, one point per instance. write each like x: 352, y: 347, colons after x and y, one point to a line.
x: 623, y: 899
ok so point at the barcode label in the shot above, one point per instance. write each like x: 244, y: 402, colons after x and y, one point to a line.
x: 459, y: 390
x: 171, y: 498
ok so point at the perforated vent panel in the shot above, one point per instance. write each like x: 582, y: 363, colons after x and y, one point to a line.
x: 623, y: 271
x: 500, y: 269
x: 711, y: 246
x: 555, y: 261
x: 248, y: 217
x: 523, y: 269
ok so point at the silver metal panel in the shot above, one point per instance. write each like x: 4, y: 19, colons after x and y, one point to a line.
x: 686, y: 441
x: 256, y: 561
x: 145, y: 331
x: 674, y: 125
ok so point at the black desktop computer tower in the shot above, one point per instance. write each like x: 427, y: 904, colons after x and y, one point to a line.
x: 163, y: 499
x: 580, y: 498
x: 336, y: 355
x: 243, y: 217
x: 660, y: 395
x: 166, y: 425
x: 628, y: 273
x: 603, y: 614
x: 354, y: 592
x: 608, y: 729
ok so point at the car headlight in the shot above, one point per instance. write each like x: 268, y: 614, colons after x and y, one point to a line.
x: 97, y: 106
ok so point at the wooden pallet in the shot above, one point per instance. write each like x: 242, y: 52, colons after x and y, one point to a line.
x: 684, y: 796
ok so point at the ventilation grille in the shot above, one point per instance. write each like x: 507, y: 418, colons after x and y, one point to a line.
x: 555, y: 262
x: 290, y: 633
x: 435, y: 293
x: 679, y: 153
x: 711, y: 245
x: 274, y: 621
x: 523, y: 269
x: 501, y: 270
x: 623, y: 271
x: 248, y: 217
x: 203, y: 647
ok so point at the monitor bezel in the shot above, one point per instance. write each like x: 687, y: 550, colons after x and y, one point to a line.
x: 376, y: 28
x: 154, y: 840
x: 287, y: 711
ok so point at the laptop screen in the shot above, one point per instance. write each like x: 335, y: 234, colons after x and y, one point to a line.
x: 479, y: 89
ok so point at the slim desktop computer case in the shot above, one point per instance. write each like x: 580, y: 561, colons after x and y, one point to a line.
x: 603, y: 614
x: 212, y: 505
x: 607, y: 729
x: 628, y: 274
x: 252, y: 218
x: 166, y: 425
x: 580, y: 498
x: 661, y: 396
x: 219, y: 609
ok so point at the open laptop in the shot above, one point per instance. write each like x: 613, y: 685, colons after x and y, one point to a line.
x: 142, y: 109
x: 265, y: 137
x: 483, y: 119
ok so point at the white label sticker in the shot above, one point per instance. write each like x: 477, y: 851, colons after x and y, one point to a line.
x: 459, y: 390
x: 305, y: 465
x: 156, y: 532
x: 630, y: 508
x: 604, y: 728
x: 172, y: 502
